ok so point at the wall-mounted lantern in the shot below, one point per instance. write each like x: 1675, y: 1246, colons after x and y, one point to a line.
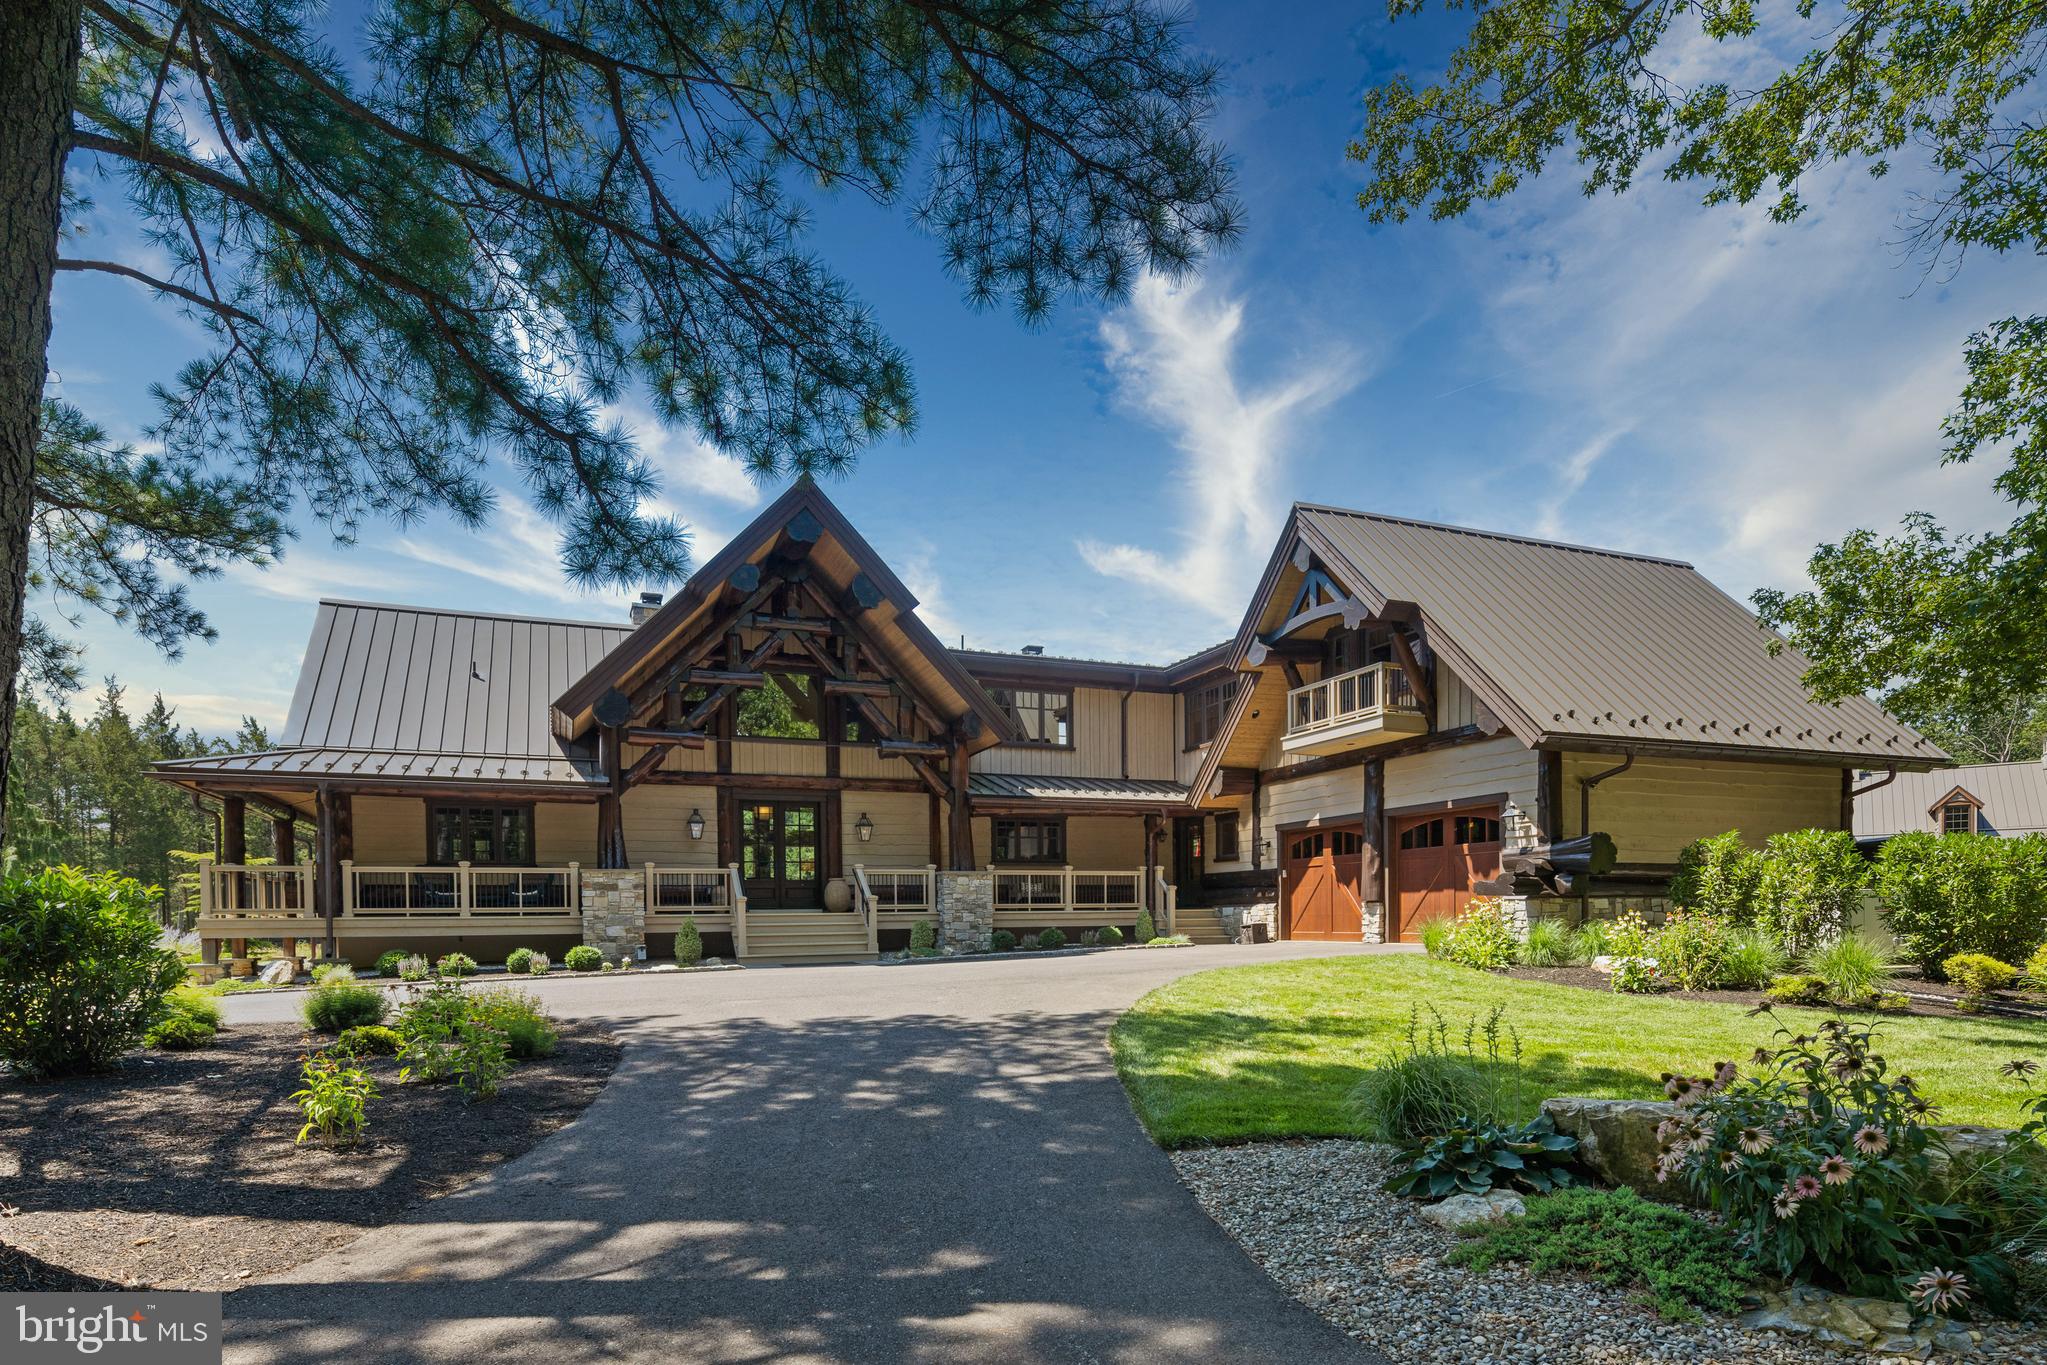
x: 864, y: 827
x: 696, y: 823
x: 1517, y: 831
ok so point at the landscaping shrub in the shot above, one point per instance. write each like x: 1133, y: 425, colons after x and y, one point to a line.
x: 1634, y: 971
x: 1980, y: 977
x: 340, y: 971
x: 1170, y: 941
x: 1048, y: 939
x: 1812, y: 881
x: 1108, y: 936
x: 334, y: 1098
x: 540, y: 964
x: 336, y: 1005
x: 452, y: 1035
x: 1594, y: 940
x: 1436, y: 936
x: 456, y: 964
x: 1481, y: 937
x: 1819, y: 1161
x: 689, y: 943
x: 1719, y: 876
x: 1001, y: 941
x: 1798, y: 989
x: 1691, y: 949
x: 189, y: 1020
x: 519, y: 961
x: 1963, y: 893
x: 582, y: 958
x: 1476, y: 1157
x: 370, y: 1040
x: 414, y: 968
x: 1621, y: 1240
x: 82, y: 975
x: 527, y: 1029
x: 1754, y: 958
x: 1146, y: 930
x: 1432, y: 1081
x: 387, y: 961
x: 923, y: 937
x: 2036, y: 969
x: 1549, y: 944
x: 1854, y: 966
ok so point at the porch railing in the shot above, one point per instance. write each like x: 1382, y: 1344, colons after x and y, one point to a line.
x: 272, y: 892
x: 1344, y: 697
x: 736, y: 891
x: 679, y: 890
x: 902, y: 890
x: 1168, y: 902
x: 1068, y: 889
x: 400, y: 891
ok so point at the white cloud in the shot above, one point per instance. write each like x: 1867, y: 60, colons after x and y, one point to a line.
x: 688, y: 464
x: 518, y: 550
x: 1174, y: 355
x: 1571, y: 474
x: 217, y: 712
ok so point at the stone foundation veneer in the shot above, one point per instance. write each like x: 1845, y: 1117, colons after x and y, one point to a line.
x: 1523, y: 910
x: 966, y: 911
x: 615, y: 911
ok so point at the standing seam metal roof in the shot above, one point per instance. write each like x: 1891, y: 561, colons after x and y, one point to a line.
x: 1605, y: 645
x: 2014, y: 797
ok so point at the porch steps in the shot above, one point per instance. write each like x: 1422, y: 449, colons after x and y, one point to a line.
x: 1200, y: 923
x: 805, y: 936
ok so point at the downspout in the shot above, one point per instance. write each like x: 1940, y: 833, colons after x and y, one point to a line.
x: 1890, y: 776
x: 1585, y: 786
x: 1123, y: 734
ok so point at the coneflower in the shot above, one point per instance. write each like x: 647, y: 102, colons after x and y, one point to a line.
x: 1731, y: 1162
x: 1871, y: 1140
x: 1939, y: 1290
x: 1755, y: 1141
x: 1784, y: 1206
x: 1805, y: 1187
x: 2020, y: 1067
x: 1837, y: 1170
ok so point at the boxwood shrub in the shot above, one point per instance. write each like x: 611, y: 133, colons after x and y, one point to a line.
x: 337, y: 1005
x: 582, y: 958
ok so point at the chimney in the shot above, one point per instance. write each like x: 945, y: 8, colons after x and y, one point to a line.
x: 1034, y: 650
x: 649, y: 603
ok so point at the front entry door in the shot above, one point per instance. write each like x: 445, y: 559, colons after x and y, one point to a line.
x: 778, y: 855
x: 1322, y: 872
x: 1187, y: 857
x: 1436, y: 858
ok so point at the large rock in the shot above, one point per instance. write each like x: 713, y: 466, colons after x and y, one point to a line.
x: 280, y: 971
x: 1617, y: 1140
x: 1463, y: 1210
x: 1877, y: 1325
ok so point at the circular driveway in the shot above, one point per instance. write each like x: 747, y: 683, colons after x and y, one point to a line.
x: 928, y: 1162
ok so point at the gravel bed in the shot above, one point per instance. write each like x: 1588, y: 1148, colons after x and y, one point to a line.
x: 1313, y: 1216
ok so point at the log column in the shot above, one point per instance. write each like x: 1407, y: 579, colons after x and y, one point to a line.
x: 1372, y: 866
x: 335, y: 844
x: 962, y: 828
x: 234, y: 852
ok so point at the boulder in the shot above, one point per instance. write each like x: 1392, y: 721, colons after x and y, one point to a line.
x: 1617, y: 1140
x: 1465, y: 1210
x: 279, y: 971
x: 1876, y: 1325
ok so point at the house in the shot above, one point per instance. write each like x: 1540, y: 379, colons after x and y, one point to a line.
x: 1409, y: 715
x: 2008, y: 799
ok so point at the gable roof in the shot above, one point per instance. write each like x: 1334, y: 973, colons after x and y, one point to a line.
x: 895, y: 618
x: 2012, y: 798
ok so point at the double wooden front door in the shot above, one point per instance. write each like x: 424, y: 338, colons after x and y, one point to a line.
x: 779, y: 863
x: 1322, y: 894
x: 1436, y: 858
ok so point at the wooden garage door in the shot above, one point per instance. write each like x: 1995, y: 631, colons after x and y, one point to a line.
x: 1322, y: 884
x: 1436, y: 858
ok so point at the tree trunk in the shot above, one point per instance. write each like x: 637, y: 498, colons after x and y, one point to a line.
x: 39, y: 44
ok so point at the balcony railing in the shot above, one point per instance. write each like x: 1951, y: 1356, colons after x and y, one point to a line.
x: 268, y: 892
x: 1360, y: 694
x: 461, y: 891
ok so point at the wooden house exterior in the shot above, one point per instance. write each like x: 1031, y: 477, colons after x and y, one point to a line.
x: 784, y: 753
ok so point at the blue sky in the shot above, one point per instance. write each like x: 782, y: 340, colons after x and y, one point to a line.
x: 1635, y: 372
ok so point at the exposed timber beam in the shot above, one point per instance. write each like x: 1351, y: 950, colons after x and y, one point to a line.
x: 857, y: 687
x: 808, y: 625
x: 723, y: 677
x: 1417, y: 680
x: 910, y: 748
x: 661, y: 737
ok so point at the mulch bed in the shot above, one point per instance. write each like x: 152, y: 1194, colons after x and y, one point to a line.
x: 1934, y: 998
x: 179, y: 1170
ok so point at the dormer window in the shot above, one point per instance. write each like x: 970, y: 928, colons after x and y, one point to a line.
x: 1958, y: 817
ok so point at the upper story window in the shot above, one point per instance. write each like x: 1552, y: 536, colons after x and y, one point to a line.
x: 786, y: 706
x: 1206, y: 708
x: 1029, y: 841
x: 480, y: 834
x: 1044, y: 717
x: 1346, y: 650
x: 1958, y: 817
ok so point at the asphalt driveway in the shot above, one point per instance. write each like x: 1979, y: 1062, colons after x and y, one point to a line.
x: 920, y: 1163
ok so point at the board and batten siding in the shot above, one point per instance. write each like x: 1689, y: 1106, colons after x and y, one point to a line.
x: 1098, y: 740
x: 1661, y: 804
x: 902, y: 828
x: 389, y: 830
x: 1093, y: 842
x: 1463, y: 772
x: 657, y: 825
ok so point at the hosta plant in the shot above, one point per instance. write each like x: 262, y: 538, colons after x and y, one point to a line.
x: 1822, y: 1160
x: 1476, y: 1157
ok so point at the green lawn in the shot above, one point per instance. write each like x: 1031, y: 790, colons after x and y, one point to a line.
x: 1270, y: 1051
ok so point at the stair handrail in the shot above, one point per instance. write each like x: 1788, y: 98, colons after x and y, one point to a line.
x: 863, y: 901
x: 736, y: 891
x: 1169, y: 898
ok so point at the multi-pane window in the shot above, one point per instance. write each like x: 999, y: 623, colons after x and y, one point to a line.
x: 1206, y: 708
x: 1346, y: 650
x: 1958, y: 817
x: 1226, y: 837
x: 1428, y: 834
x: 1043, y: 717
x: 480, y: 834
x: 1476, y: 829
x: 1030, y: 841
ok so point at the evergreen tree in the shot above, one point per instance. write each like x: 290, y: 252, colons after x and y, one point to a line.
x: 448, y: 238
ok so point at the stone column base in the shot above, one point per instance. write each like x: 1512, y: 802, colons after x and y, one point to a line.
x: 615, y: 912
x: 966, y: 911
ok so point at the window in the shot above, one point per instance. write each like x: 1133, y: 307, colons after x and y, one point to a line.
x: 1345, y: 650
x: 786, y: 706
x: 1958, y: 817
x: 1206, y: 709
x: 1346, y: 843
x: 1226, y: 838
x: 1476, y: 829
x: 480, y: 834
x: 1428, y: 834
x: 1030, y: 841
x: 1044, y: 717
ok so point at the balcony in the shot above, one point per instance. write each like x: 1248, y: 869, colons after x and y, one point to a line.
x: 1367, y: 706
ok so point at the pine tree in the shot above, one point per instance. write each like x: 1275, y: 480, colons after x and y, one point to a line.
x: 450, y: 242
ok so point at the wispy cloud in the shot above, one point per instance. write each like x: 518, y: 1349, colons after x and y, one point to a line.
x: 688, y: 464
x: 1174, y: 354
x: 1571, y: 473
x: 518, y: 550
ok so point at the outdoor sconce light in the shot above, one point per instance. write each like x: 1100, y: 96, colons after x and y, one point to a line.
x: 696, y: 823
x: 1516, y: 829
x: 864, y: 827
